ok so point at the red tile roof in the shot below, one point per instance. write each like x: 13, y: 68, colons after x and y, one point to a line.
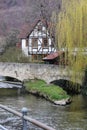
x: 28, y: 28
x: 53, y: 55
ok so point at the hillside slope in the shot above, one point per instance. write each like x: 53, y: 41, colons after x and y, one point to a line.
x: 14, y: 13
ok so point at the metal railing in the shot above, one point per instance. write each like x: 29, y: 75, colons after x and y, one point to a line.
x: 25, y: 118
x: 2, y: 127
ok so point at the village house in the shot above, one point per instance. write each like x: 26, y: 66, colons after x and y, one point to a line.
x: 36, y: 41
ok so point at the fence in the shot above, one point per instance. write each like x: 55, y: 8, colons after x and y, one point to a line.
x: 25, y: 118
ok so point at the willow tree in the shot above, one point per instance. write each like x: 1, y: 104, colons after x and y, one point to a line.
x: 71, y: 35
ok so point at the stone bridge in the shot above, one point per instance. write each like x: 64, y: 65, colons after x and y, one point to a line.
x: 25, y: 71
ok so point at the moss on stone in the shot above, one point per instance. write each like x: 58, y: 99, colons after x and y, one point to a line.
x: 49, y: 91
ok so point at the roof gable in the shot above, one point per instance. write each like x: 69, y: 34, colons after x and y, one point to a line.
x: 27, y: 29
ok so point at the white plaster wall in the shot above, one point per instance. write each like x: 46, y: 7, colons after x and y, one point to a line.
x: 39, y: 42
x: 49, y: 40
x: 24, y: 47
x: 23, y: 43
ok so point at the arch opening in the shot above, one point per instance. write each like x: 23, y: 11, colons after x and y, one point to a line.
x: 10, y: 82
x: 8, y: 78
x: 69, y: 86
x: 10, y: 86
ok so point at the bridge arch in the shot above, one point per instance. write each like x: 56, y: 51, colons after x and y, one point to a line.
x: 68, y: 85
x: 8, y: 78
x: 25, y: 71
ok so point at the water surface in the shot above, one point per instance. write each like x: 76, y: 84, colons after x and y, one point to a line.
x: 71, y: 117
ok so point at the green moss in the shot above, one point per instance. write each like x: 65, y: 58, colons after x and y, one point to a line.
x: 50, y: 91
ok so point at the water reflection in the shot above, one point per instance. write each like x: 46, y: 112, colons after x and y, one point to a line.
x: 71, y: 117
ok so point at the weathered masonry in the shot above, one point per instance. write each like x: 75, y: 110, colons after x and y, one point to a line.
x: 25, y: 71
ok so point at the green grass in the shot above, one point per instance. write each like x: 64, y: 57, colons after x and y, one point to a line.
x: 14, y: 54
x: 51, y: 92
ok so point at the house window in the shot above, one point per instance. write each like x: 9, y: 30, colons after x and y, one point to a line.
x: 45, y: 42
x: 35, y: 42
x: 39, y: 28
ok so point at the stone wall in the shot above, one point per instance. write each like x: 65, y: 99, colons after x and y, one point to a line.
x: 25, y: 71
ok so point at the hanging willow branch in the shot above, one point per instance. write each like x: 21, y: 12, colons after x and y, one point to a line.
x: 72, y: 34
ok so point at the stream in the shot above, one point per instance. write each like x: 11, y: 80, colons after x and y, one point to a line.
x: 70, y: 117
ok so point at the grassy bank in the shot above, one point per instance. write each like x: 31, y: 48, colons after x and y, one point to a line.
x: 14, y: 54
x: 50, y: 92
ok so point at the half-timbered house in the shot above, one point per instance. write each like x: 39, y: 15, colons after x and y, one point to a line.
x: 36, y: 41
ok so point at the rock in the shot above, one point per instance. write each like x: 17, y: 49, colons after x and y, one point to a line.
x: 63, y: 102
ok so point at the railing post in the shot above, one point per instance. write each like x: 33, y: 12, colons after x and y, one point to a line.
x: 24, y: 113
x: 26, y: 118
x: 2, y: 128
